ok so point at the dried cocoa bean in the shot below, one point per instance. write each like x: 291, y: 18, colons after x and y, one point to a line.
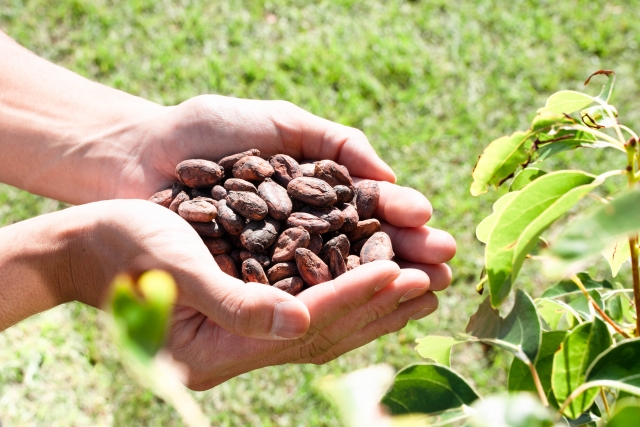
x: 332, y: 215
x: 292, y: 285
x: 252, y: 271
x: 206, y: 199
x: 208, y: 229
x: 367, y: 198
x: 230, y: 221
x: 247, y: 204
x: 343, y: 193
x: 312, y: 269
x: 298, y: 205
x: 332, y: 173
x: 364, y: 229
x: 277, y: 200
x: 162, y: 198
x: 290, y: 240
x: 218, y: 192
x: 339, y: 242
x: 377, y: 247
x: 350, y: 217
x: 261, y: 258
x: 200, y: 192
x: 285, y: 169
x: 311, y: 223
x: 235, y: 256
x: 179, y: 199
x: 227, y: 265
x: 217, y: 245
x: 199, y: 173
x: 282, y: 270
x: 315, y: 243
x: 356, y: 246
x: 336, y: 262
x: 257, y: 236
x: 312, y: 191
x: 252, y: 168
x: 228, y: 162
x: 197, y: 211
x: 353, y: 261
x: 307, y: 169
x: 236, y: 184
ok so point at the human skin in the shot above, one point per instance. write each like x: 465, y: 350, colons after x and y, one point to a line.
x: 71, y: 139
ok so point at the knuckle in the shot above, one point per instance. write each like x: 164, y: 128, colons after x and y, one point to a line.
x: 241, y: 313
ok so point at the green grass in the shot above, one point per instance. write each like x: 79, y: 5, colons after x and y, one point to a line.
x: 430, y: 82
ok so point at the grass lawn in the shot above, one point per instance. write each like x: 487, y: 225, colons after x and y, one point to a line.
x: 430, y: 82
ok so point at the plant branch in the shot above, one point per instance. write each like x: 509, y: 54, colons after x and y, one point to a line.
x: 595, y: 305
x: 599, y: 383
x: 605, y: 402
x: 536, y: 381
x: 633, y: 240
x: 614, y: 142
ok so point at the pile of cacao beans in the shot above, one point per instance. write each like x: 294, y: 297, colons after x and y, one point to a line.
x: 278, y: 222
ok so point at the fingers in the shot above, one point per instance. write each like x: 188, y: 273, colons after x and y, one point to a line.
x: 439, y: 274
x: 424, y: 245
x: 402, y: 206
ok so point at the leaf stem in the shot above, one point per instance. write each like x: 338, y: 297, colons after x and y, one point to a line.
x: 595, y: 305
x: 536, y: 381
x: 605, y: 402
x: 633, y: 239
x: 598, y: 383
x: 614, y: 142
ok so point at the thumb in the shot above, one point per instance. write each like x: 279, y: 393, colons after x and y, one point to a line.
x: 251, y: 310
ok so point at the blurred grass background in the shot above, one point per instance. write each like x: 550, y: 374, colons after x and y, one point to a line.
x: 430, y: 82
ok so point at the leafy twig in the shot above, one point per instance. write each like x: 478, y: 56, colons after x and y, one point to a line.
x: 536, y: 381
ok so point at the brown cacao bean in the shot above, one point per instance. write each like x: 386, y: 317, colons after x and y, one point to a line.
x: 357, y: 245
x: 162, y: 198
x: 261, y: 258
x: 336, y: 262
x: 311, y: 223
x: 364, y: 229
x: 197, y: 211
x: 332, y: 215
x: 353, y: 261
x: 200, y: 192
x: 312, y: 191
x: 226, y: 264
x: 339, y: 242
x: 343, y: 193
x: 282, y: 270
x: 218, y: 192
x: 228, y: 162
x: 206, y: 199
x: 312, y: 269
x: 230, y: 221
x: 247, y: 204
x: 277, y: 200
x: 235, y: 256
x: 236, y: 184
x: 332, y: 173
x: 252, y: 168
x: 257, y: 236
x: 208, y: 229
x: 287, y: 243
x: 179, y: 199
x: 377, y: 247
x: 252, y: 271
x: 367, y: 198
x: 285, y: 169
x: 292, y: 285
x: 315, y: 243
x: 217, y: 245
x: 350, y: 217
x: 307, y: 169
x: 199, y: 173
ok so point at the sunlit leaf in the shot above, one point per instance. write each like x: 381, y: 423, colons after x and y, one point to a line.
x: 518, y: 333
x: 620, y: 363
x: 607, y: 88
x: 520, y: 378
x: 568, y: 287
x: 512, y: 410
x: 582, y: 305
x: 556, y: 315
x: 437, y: 348
x: 579, y: 349
x: 499, y: 161
x: 599, y: 116
x: 616, y: 254
x: 563, y: 140
x: 626, y: 413
x: 523, y: 219
x: 547, y: 122
x: 428, y: 388
x: 524, y: 177
x: 567, y: 102
x: 483, y: 231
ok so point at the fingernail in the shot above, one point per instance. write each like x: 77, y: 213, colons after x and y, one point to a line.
x: 412, y: 294
x: 386, y: 280
x: 423, y: 313
x: 289, y: 321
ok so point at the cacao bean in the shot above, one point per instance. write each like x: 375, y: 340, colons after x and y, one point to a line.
x: 206, y: 199
x: 350, y: 217
x: 356, y: 246
x: 235, y: 256
x: 307, y: 169
x: 367, y: 198
x: 247, y: 204
x: 252, y: 168
x: 228, y: 162
x: 162, y: 198
x: 179, y: 199
x: 343, y: 193
x: 208, y: 229
x: 332, y: 215
x: 277, y: 200
x: 282, y: 270
x: 339, y: 242
x: 285, y: 169
x: 200, y: 192
x: 227, y: 265
x: 217, y: 245
x: 311, y: 223
x: 252, y: 271
x: 364, y: 229
x: 236, y: 184
x: 312, y: 191
x: 290, y: 240
x: 312, y: 269
x: 234, y: 239
x: 292, y: 285
x: 297, y: 205
x: 197, y: 211
x: 377, y: 247
x: 199, y: 173
x: 257, y: 236
x: 218, y: 192
x: 336, y: 262
x: 315, y: 243
x: 261, y: 258
x: 353, y: 261
x: 332, y: 173
x: 230, y: 221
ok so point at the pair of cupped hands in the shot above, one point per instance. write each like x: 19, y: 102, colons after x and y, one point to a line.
x: 222, y: 327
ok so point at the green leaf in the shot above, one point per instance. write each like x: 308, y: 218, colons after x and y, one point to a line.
x: 437, y: 348
x: 620, y: 363
x: 593, y: 233
x: 616, y: 254
x: 567, y: 287
x: 519, y: 332
x: 579, y: 349
x: 626, y: 413
x: 549, y: 122
x: 582, y: 305
x: 567, y: 102
x: 564, y: 140
x: 428, y: 388
x: 607, y: 88
x: 512, y: 410
x: 499, y: 161
x: 520, y: 378
x: 484, y: 229
x: 524, y: 177
x: 523, y: 219
x: 556, y: 315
